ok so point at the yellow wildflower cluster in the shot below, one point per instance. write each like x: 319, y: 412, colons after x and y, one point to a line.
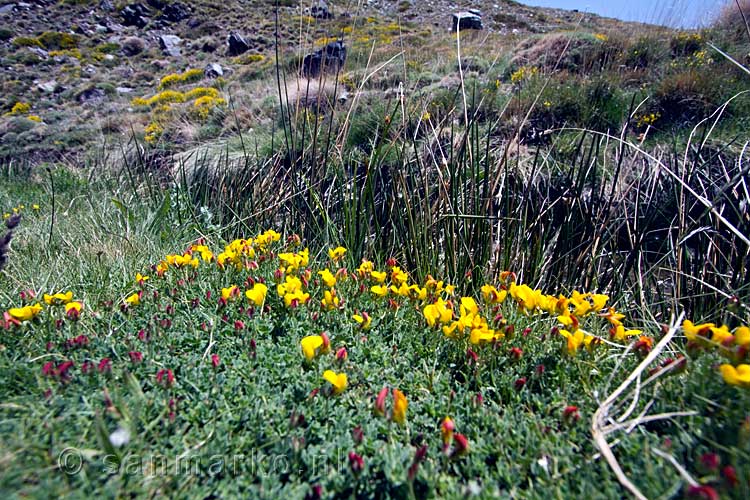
x: 523, y: 73
x: 153, y: 132
x: 189, y: 76
x: 203, y: 106
x: 241, y: 252
x: 19, y: 209
x: 19, y: 108
x: 734, y: 345
x: 19, y: 315
x: 647, y: 119
x: 249, y: 59
x: 601, y: 37
x: 166, y: 97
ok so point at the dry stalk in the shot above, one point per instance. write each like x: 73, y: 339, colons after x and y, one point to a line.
x: 599, y: 427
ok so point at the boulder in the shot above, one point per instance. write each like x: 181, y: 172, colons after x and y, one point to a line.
x: 213, y: 70
x: 321, y: 11
x: 170, y: 44
x: 7, y: 8
x: 174, y: 13
x: 467, y: 21
x: 329, y: 59
x: 135, y: 14
x: 236, y: 44
x: 91, y: 95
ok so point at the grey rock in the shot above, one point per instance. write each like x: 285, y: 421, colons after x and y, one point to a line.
x: 123, y: 90
x: 170, y: 44
x: 213, y: 70
x: 236, y: 44
x: 329, y: 59
x: 49, y: 86
x: 466, y: 21
x: 7, y: 8
x: 39, y: 52
x: 135, y: 15
x: 91, y: 95
x: 321, y: 10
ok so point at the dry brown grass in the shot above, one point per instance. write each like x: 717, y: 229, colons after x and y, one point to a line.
x: 731, y: 14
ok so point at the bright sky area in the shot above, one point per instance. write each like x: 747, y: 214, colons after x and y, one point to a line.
x: 677, y: 13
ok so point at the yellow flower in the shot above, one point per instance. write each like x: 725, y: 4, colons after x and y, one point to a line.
x: 380, y: 291
x: 398, y: 276
x: 257, y: 294
x: 296, y: 298
x: 292, y: 284
x: 492, y: 295
x: 73, y: 306
x: 337, y: 380
x: 139, y: 278
x: 439, y: 312
x: 25, y: 313
x: 315, y: 345
x: 230, y: 293
x: 205, y: 253
x: 483, y: 334
x: 336, y: 254
x: 692, y: 331
x: 330, y: 300
x: 365, y: 268
x: 524, y: 295
x: 328, y: 278
x: 621, y: 333
x: 720, y: 334
x: 58, y: 298
x: 134, y: 299
x: 736, y: 376
x: 576, y: 339
x: 364, y: 320
x: 400, y: 405
x: 742, y: 336
x: 612, y: 316
x: 378, y: 276
x: 468, y: 306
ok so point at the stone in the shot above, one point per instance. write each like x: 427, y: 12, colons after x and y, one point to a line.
x: 91, y: 95
x: 213, y: 70
x: 49, y: 86
x: 123, y: 90
x: 7, y: 8
x: 329, y: 59
x: 174, y: 12
x: 135, y: 14
x: 170, y: 44
x: 467, y: 21
x: 321, y: 11
x: 106, y: 5
x: 39, y: 52
x: 236, y: 44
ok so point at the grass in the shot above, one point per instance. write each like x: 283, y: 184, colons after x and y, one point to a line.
x: 615, y: 166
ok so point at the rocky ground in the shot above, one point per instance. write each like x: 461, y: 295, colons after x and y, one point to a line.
x: 76, y: 66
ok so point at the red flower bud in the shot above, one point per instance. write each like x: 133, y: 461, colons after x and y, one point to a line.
x: 380, y: 401
x: 570, y: 413
x: 460, y: 445
x: 356, y: 463
x: 215, y: 361
x: 341, y: 355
